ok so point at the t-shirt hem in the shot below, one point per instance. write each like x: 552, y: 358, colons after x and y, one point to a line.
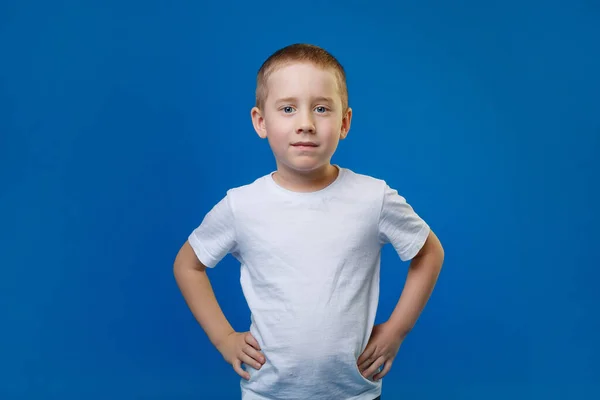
x: 203, y: 256
x: 417, y: 243
x: 370, y: 395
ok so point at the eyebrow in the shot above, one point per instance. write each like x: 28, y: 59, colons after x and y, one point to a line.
x: 293, y: 100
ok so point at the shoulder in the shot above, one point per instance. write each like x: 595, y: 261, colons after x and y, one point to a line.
x: 362, y: 177
x: 248, y: 192
x: 364, y: 182
x: 374, y: 189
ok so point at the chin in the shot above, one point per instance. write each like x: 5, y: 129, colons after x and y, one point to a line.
x: 305, y: 166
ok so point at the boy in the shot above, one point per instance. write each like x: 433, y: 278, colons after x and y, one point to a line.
x: 308, y: 237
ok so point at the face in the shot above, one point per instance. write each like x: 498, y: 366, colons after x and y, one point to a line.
x: 302, y: 117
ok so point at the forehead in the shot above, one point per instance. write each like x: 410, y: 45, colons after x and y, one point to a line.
x: 302, y: 80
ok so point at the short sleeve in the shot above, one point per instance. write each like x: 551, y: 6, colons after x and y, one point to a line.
x: 400, y: 225
x: 215, y: 237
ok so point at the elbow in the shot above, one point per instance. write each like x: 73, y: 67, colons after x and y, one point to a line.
x: 177, y: 270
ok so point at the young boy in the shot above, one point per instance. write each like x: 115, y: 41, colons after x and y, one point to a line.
x: 308, y: 237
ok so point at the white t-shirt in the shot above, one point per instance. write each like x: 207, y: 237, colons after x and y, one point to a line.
x: 310, y: 275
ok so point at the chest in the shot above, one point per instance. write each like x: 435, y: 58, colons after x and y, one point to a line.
x: 311, y: 234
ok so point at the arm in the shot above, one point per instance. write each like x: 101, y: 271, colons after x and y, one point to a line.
x: 190, y: 275
x: 236, y: 348
x: 422, y: 276
x: 386, y: 338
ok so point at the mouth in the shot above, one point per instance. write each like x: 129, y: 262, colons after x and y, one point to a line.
x: 304, y: 144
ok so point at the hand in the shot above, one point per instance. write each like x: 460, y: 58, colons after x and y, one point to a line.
x: 381, y: 350
x: 238, y: 348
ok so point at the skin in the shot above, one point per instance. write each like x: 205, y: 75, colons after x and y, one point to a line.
x: 303, y: 105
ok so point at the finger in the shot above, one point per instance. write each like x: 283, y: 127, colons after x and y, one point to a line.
x: 386, y: 368
x: 368, y: 361
x: 246, y: 359
x: 374, y: 367
x: 366, y: 354
x: 256, y: 355
x: 237, y: 367
x: 252, y: 341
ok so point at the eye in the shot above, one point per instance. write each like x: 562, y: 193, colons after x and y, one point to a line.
x: 321, y: 109
x: 288, y: 109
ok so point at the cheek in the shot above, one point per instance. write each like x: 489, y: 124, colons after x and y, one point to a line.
x: 276, y: 133
x: 277, y: 126
x: 332, y: 127
x: 274, y: 123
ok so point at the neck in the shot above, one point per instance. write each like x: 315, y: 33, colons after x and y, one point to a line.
x: 309, y: 181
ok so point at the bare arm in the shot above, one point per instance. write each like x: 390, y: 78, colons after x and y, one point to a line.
x: 190, y: 275
x: 386, y: 338
x: 422, y: 276
x: 236, y: 348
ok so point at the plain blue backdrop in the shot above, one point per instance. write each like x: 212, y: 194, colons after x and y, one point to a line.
x: 123, y: 122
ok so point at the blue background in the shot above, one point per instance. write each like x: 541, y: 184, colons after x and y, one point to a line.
x: 123, y: 122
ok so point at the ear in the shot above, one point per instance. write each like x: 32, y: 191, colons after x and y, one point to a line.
x: 346, y: 121
x: 258, y: 120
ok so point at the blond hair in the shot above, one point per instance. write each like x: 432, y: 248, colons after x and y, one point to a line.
x: 300, y: 53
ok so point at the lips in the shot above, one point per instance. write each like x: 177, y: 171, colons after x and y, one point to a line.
x: 304, y: 144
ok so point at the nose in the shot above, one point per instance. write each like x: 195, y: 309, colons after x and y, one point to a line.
x: 305, y: 123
